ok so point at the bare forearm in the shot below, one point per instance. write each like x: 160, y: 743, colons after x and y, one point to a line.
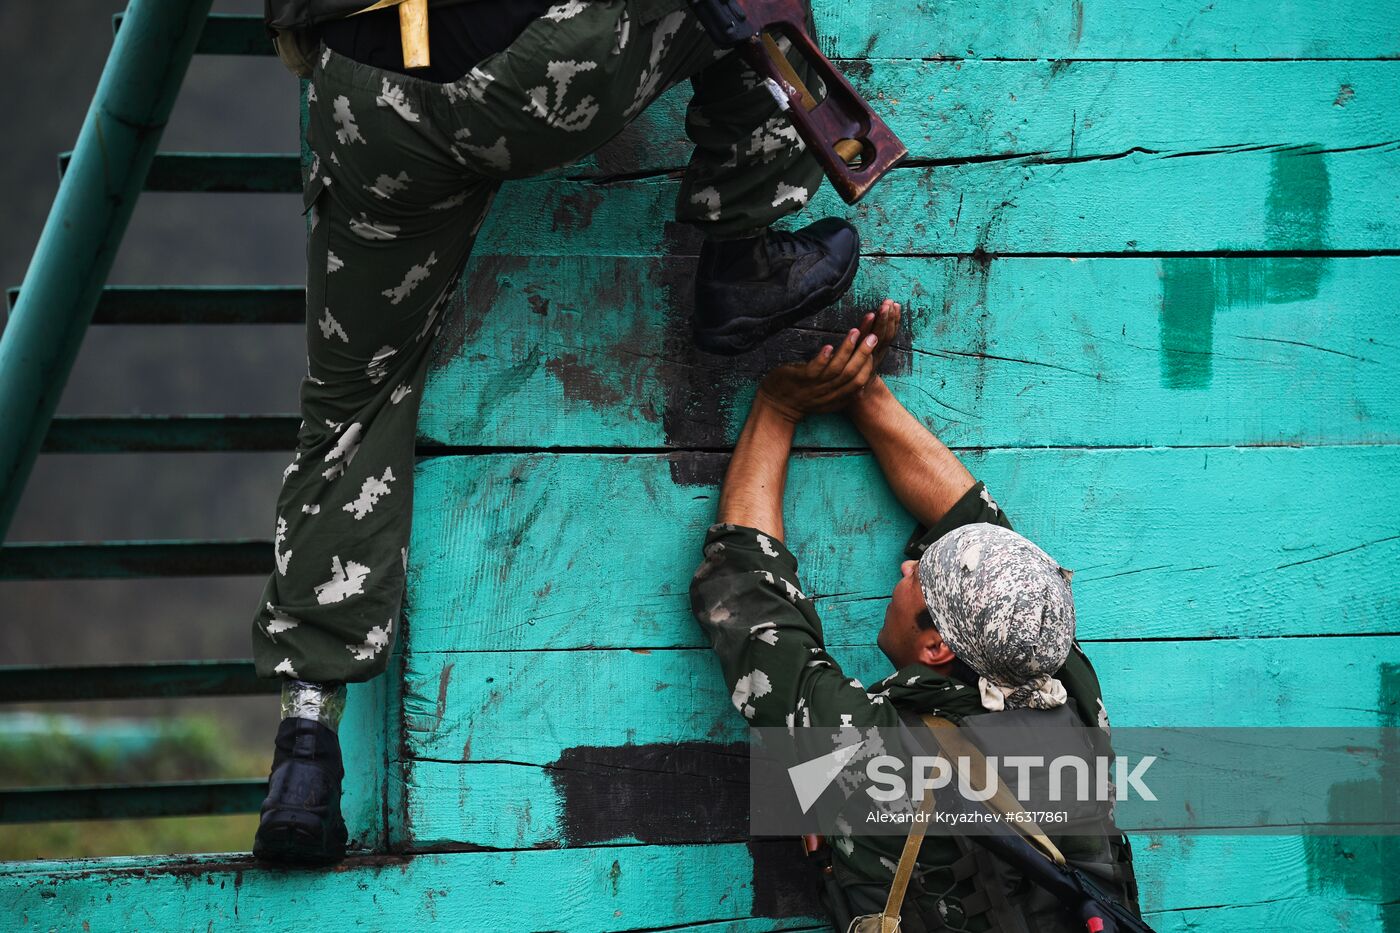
x: 752, y: 494
x: 927, y: 478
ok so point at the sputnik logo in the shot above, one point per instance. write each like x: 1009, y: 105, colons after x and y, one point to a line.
x: 811, y: 778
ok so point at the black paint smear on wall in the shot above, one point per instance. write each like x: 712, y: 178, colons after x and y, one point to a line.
x: 660, y: 793
x: 784, y: 883
x: 672, y: 794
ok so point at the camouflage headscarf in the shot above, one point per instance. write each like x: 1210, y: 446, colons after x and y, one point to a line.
x: 1004, y: 606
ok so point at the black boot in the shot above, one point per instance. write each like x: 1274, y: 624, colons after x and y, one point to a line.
x: 748, y: 290
x: 301, y: 821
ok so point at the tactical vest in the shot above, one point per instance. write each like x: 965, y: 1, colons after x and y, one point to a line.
x: 1001, y: 900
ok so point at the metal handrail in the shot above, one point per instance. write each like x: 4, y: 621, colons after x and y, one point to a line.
x: 115, y: 148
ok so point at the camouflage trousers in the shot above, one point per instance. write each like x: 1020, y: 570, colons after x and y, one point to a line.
x: 402, y: 174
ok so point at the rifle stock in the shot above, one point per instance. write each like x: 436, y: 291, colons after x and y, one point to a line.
x: 853, y: 145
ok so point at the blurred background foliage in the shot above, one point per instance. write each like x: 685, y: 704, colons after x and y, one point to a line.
x: 39, y: 750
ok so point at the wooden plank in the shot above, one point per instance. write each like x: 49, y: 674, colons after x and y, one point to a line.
x: 1254, y: 883
x: 1174, y: 29
x: 663, y: 797
x: 553, y: 551
x: 1289, y: 197
x: 593, y: 351
x: 705, y: 888
x: 502, y: 706
x: 961, y: 109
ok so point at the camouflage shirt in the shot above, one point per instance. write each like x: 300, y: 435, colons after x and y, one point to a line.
x: 748, y: 598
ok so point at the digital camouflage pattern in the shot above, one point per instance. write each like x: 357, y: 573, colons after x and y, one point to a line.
x: 747, y: 597
x: 1004, y: 606
x: 402, y: 172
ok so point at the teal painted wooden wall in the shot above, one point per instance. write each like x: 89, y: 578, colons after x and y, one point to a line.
x: 1150, y: 252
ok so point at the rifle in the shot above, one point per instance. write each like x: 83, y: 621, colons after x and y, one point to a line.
x: 413, y: 29
x: 1099, y: 911
x: 1023, y: 845
x: 853, y: 145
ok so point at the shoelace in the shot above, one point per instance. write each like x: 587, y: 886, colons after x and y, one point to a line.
x: 788, y: 245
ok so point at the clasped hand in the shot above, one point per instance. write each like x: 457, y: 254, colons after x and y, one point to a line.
x: 833, y: 378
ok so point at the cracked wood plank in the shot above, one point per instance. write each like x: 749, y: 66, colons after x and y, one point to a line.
x: 1169, y: 29
x: 1295, y: 197
x: 504, y: 706
x: 978, y: 109
x: 1255, y: 884
x: 627, y: 889
x: 536, y: 551
x: 596, y: 352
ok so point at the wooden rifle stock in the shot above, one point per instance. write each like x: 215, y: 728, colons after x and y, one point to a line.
x: 853, y: 145
x: 413, y: 29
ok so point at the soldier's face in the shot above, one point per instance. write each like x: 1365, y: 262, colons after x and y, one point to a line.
x: 901, y: 638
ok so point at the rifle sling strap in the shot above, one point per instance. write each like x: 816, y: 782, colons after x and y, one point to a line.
x: 1002, y: 802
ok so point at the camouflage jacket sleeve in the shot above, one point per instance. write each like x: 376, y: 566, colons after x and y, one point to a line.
x: 747, y: 597
x: 975, y: 507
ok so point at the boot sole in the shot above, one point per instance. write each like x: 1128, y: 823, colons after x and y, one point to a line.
x: 738, y: 337
x: 291, y: 845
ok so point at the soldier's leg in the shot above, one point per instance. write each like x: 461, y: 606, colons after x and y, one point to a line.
x: 580, y: 73
x: 393, y: 216
x: 750, y: 169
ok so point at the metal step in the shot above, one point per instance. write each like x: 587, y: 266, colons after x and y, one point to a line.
x: 226, y: 34
x: 43, y: 684
x: 118, y: 802
x: 213, y: 172
x: 110, y: 560
x: 212, y: 304
x: 170, y: 433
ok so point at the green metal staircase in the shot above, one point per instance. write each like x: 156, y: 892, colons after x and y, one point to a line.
x: 115, y: 160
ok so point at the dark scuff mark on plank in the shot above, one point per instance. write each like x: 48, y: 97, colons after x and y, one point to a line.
x: 582, y: 382
x: 1299, y: 200
x: 1187, y: 323
x: 659, y: 794
x: 694, y: 468
x: 622, y: 374
x: 1363, y: 866
x: 784, y: 884
x: 465, y: 309
x: 698, y: 388
x: 574, y: 211
x: 668, y: 794
x: 444, y: 679
x: 857, y: 69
